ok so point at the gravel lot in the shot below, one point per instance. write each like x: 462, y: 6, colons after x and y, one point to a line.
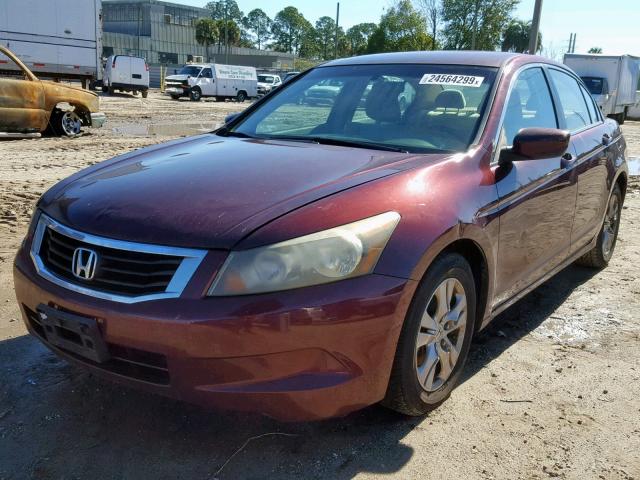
x: 552, y: 388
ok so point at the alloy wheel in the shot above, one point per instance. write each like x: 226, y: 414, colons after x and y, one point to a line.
x: 610, y: 229
x: 441, y: 334
x: 71, y: 123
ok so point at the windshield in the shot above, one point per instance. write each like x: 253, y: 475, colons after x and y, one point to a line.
x: 414, y: 108
x: 265, y: 78
x: 190, y: 70
x: 594, y: 84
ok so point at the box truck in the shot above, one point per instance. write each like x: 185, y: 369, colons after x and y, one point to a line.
x: 213, y: 80
x: 59, y: 39
x: 611, y: 79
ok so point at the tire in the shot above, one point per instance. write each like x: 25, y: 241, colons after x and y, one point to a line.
x: 419, y: 381
x: 112, y: 90
x: 195, y: 95
x: 600, y: 255
x: 241, y: 97
x: 105, y: 89
x: 145, y: 93
x: 67, y: 124
x: 175, y: 97
x: 622, y: 117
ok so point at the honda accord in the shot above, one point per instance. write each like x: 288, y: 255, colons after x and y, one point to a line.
x: 307, y: 260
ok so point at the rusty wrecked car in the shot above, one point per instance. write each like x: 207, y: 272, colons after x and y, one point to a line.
x: 29, y: 105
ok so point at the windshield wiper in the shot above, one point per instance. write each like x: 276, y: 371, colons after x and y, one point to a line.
x: 338, y: 142
x: 223, y: 132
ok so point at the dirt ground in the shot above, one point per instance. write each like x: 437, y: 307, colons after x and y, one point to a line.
x: 552, y: 388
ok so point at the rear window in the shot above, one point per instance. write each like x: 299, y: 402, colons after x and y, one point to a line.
x: 415, y: 108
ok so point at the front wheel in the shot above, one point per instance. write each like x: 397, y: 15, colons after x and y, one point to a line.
x: 195, y: 95
x: 599, y: 256
x: 435, y: 338
x: 66, y: 123
x: 145, y: 93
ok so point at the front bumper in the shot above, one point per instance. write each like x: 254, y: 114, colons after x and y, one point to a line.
x: 98, y: 119
x: 306, y: 354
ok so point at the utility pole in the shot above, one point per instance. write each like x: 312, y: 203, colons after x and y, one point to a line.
x: 475, y: 25
x: 226, y: 34
x: 535, y: 28
x: 573, y: 48
x: 570, y: 42
x: 335, y: 52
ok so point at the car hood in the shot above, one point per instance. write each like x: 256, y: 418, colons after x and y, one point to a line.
x: 208, y: 191
x: 178, y: 78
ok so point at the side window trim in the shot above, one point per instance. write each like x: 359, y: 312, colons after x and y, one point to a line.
x: 512, y: 83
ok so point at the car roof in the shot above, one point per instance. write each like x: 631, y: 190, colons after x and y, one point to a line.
x: 443, y: 57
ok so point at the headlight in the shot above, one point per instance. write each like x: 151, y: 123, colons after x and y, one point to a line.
x: 342, y: 252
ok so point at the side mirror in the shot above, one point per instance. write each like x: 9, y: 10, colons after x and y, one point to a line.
x: 536, y: 144
x: 231, y: 117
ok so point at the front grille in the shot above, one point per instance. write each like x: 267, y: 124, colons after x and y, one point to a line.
x: 117, y: 271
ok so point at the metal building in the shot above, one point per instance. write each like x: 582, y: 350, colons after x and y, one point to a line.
x: 164, y: 33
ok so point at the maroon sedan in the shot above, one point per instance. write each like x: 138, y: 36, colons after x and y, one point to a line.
x: 307, y: 260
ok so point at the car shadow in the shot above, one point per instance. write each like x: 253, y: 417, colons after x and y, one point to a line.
x: 523, y: 317
x: 57, y: 420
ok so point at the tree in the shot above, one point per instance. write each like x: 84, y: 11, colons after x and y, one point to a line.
x: 207, y: 32
x: 259, y: 24
x: 401, y: 28
x: 326, y: 34
x: 289, y: 30
x: 357, y: 38
x: 432, y: 11
x: 595, y: 50
x: 221, y: 9
x: 229, y: 32
x: 475, y: 24
x: 516, y: 37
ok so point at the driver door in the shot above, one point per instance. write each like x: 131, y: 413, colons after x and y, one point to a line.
x: 537, y: 197
x: 21, y: 98
x: 206, y: 82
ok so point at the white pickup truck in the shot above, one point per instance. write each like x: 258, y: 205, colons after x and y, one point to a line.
x: 213, y: 80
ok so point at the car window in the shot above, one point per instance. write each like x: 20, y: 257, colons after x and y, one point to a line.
x: 207, y: 73
x: 10, y: 69
x: 574, y: 107
x: 590, y: 105
x: 529, y: 105
x: 189, y: 70
x: 417, y: 108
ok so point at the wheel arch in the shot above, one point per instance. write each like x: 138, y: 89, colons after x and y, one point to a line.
x: 473, y: 253
x: 621, y: 181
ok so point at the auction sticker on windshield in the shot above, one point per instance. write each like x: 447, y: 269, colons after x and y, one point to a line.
x: 447, y: 79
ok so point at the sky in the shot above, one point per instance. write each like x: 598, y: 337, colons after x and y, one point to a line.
x: 613, y: 25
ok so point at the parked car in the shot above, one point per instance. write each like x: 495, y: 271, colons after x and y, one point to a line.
x: 305, y: 264
x: 268, y: 82
x: 126, y: 74
x: 289, y: 75
x: 31, y: 106
x: 213, y: 80
x: 324, y: 93
x: 611, y: 79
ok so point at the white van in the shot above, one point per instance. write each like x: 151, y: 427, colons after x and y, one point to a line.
x: 213, y: 80
x: 126, y: 74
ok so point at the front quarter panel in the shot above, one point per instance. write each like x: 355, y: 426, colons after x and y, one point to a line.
x: 439, y: 203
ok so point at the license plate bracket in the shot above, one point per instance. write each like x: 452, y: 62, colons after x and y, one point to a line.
x: 74, y: 333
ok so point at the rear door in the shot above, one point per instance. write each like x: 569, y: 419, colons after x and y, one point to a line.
x: 537, y: 197
x: 21, y: 99
x: 590, y: 139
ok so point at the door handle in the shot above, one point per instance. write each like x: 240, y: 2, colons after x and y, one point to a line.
x: 606, y: 139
